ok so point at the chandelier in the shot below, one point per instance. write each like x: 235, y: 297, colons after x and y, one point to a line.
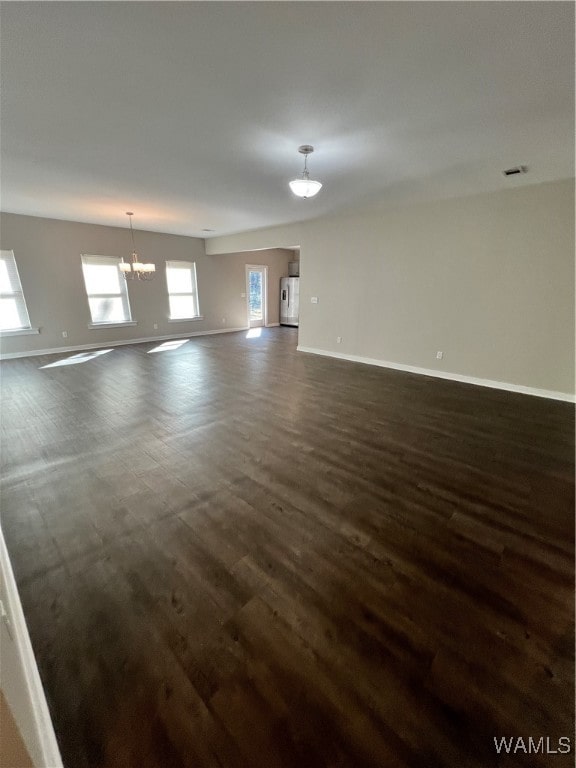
x: 304, y: 186
x: 135, y: 269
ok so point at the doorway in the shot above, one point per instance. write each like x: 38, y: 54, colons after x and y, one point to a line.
x: 256, y: 295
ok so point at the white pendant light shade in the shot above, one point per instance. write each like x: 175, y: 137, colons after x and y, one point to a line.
x: 305, y: 187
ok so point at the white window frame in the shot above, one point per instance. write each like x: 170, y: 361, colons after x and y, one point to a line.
x: 18, y: 295
x: 92, y: 260
x: 191, y: 267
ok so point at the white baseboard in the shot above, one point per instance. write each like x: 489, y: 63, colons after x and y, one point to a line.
x: 550, y: 394
x: 272, y: 325
x: 81, y: 347
x: 21, y: 683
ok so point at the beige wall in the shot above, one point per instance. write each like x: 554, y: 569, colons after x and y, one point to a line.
x: 225, y: 281
x: 48, y: 256
x: 13, y: 752
x: 487, y: 279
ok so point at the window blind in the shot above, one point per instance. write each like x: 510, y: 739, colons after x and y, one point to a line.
x: 106, y: 290
x: 13, y: 310
x: 182, y: 290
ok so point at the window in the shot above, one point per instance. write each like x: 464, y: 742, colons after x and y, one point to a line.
x: 13, y: 312
x: 106, y: 290
x: 182, y: 290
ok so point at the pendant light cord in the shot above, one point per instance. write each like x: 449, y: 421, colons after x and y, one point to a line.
x: 132, y: 232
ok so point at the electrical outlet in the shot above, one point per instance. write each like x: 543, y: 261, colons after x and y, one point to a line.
x: 439, y: 355
x: 155, y: 326
x: 338, y: 339
x: 223, y: 321
x: 242, y: 295
x: 64, y: 334
x: 314, y: 299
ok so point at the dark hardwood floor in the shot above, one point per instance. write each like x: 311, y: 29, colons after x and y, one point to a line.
x: 233, y: 554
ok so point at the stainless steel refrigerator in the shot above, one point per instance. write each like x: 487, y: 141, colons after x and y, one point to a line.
x: 289, y: 300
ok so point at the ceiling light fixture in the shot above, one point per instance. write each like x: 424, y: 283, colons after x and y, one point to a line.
x: 304, y: 186
x: 135, y: 268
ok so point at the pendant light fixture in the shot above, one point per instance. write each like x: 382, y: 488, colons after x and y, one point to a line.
x: 135, y: 269
x: 304, y: 186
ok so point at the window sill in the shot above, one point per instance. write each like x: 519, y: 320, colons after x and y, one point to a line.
x: 93, y: 326
x: 20, y: 332
x: 185, y: 319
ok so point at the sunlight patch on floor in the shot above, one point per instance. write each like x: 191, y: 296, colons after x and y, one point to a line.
x: 83, y: 357
x: 168, y: 345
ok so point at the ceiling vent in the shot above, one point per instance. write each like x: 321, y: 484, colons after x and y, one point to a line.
x: 514, y: 171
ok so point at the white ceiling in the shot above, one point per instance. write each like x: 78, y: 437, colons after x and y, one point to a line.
x: 190, y: 114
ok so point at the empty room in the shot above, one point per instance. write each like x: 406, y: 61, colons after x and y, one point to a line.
x: 287, y: 374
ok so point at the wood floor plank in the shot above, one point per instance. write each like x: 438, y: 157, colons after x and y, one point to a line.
x: 267, y: 559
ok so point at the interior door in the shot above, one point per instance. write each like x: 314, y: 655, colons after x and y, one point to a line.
x: 256, y: 295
